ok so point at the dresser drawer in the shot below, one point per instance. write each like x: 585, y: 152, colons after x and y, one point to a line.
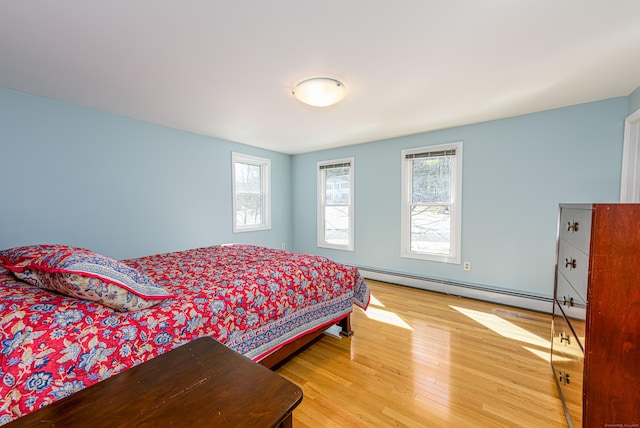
x: 568, y: 370
x: 563, y: 337
x: 575, y: 227
x: 573, y: 264
x: 574, y: 310
x: 567, y: 360
x: 573, y: 304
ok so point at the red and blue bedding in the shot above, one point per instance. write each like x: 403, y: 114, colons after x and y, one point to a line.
x: 253, y: 299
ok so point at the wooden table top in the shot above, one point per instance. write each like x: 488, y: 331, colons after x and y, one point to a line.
x: 200, y: 384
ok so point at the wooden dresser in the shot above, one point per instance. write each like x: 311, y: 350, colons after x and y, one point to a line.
x: 595, y: 353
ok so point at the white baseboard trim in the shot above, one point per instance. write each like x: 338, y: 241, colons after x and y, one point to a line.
x: 487, y: 294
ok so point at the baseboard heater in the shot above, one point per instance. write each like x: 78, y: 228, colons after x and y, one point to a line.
x: 495, y: 295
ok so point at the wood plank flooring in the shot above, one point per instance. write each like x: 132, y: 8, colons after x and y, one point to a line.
x: 422, y: 359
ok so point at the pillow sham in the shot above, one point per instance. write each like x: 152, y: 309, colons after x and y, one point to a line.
x: 81, y: 273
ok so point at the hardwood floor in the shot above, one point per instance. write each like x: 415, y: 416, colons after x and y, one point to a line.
x: 422, y: 359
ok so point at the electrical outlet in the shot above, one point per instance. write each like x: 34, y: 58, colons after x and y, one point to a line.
x: 467, y: 265
x: 284, y: 246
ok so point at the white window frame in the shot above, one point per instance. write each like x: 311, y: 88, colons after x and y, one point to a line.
x: 265, y: 181
x: 455, y: 212
x: 630, y: 181
x: 321, y: 197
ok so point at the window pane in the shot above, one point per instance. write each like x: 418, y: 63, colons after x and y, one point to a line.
x: 431, y: 229
x: 248, y: 209
x: 431, y: 180
x: 248, y: 178
x: 337, y: 185
x: 336, y: 225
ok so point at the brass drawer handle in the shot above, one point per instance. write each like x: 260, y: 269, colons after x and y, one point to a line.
x: 564, y: 336
x: 567, y: 301
x: 564, y: 378
x: 573, y: 227
x: 570, y: 263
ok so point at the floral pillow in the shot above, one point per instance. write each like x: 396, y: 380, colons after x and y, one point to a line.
x: 81, y: 273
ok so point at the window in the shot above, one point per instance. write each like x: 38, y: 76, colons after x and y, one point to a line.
x: 431, y: 208
x: 251, y: 193
x: 335, y: 204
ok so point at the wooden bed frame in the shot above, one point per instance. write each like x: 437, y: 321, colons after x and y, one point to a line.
x: 287, y: 350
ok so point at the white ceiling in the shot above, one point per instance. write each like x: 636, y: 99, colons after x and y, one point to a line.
x: 226, y: 68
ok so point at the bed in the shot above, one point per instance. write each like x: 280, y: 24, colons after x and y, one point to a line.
x: 263, y: 303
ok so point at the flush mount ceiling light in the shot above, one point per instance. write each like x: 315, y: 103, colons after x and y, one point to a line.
x: 320, y: 91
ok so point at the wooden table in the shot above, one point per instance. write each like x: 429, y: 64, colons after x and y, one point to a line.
x: 200, y: 384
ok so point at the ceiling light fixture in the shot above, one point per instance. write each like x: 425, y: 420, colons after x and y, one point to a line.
x: 320, y: 91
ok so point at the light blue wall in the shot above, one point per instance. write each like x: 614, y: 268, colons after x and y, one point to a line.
x: 119, y: 186
x: 516, y: 171
x: 634, y: 100
x: 128, y: 188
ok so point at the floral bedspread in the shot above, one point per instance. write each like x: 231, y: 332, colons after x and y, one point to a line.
x: 252, y: 299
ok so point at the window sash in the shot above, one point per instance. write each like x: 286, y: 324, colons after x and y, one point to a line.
x: 251, y: 193
x: 438, y: 188
x: 249, y: 209
x: 431, y: 229
x: 335, y: 205
x: 431, y: 212
x: 336, y: 232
